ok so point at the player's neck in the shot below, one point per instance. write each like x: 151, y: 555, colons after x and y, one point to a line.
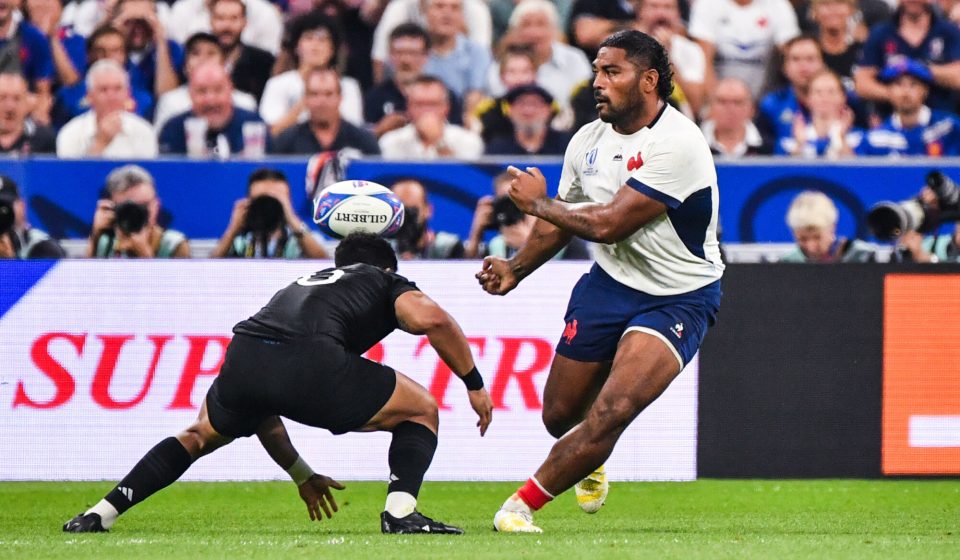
x: 648, y: 115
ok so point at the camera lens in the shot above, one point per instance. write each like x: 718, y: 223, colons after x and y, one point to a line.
x: 264, y: 215
x: 131, y: 217
x: 6, y: 216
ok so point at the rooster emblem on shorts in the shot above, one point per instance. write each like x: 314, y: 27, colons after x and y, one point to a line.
x: 570, y: 331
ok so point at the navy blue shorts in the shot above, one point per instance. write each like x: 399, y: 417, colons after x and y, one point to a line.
x: 602, y: 310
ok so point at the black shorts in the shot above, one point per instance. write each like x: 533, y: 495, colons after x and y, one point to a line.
x: 314, y: 382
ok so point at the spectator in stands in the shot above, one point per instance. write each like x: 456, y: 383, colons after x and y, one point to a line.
x: 357, y: 21
x: 125, y: 224
x: 740, y: 37
x: 201, y: 48
x: 416, y: 240
x: 105, y: 43
x: 385, y: 105
x: 264, y: 224
x: 802, y: 60
x: 531, y: 109
x: 590, y: 22
x: 913, y: 129
x: 560, y: 67
x: 45, y: 16
x: 24, y: 49
x: 211, y: 96
x: 661, y: 20
x: 730, y: 131
x: 429, y: 135
x: 264, y: 27
x: 316, y: 42
x: 108, y: 130
x: 915, y: 32
x: 829, y: 131
x: 812, y: 217
x: 250, y: 67
x: 83, y: 17
x: 325, y: 129
x: 21, y: 241
x: 397, y: 12
x: 517, y: 68
x: 154, y: 61
x: 19, y: 134
x: 839, y: 46
x: 461, y: 63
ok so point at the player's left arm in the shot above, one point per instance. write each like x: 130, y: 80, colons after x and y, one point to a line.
x: 314, y: 488
x: 608, y: 222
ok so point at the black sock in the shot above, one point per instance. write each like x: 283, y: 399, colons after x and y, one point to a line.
x: 411, y: 452
x: 159, y: 468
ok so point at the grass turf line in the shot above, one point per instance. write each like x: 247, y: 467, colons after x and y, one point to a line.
x: 704, y: 519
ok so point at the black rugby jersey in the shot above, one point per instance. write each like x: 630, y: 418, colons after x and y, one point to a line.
x: 354, y: 305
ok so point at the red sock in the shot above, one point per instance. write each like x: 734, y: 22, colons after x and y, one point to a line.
x: 533, y: 494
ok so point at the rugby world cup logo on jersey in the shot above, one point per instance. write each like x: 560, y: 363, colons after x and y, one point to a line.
x: 590, y: 158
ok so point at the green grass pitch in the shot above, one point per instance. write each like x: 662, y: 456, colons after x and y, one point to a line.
x: 705, y: 519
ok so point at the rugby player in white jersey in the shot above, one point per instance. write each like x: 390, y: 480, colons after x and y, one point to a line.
x: 641, y: 185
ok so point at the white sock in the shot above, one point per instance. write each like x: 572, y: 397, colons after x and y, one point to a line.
x: 108, y: 514
x: 514, y: 503
x: 400, y: 504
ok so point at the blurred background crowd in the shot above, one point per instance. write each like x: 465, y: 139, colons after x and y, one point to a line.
x: 426, y: 79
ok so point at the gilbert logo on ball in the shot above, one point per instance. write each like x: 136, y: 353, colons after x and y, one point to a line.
x: 352, y: 206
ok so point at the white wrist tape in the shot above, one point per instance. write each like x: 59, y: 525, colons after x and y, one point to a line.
x: 300, y: 471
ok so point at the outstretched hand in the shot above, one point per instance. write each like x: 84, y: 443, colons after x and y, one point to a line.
x: 315, y: 492
x: 497, y: 277
x: 483, y: 406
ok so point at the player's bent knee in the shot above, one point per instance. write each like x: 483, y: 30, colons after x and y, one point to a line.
x: 557, y: 421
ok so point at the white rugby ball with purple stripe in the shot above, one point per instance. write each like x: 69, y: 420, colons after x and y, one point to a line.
x: 351, y: 206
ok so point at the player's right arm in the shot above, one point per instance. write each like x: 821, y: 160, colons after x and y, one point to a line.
x: 314, y: 488
x: 418, y: 314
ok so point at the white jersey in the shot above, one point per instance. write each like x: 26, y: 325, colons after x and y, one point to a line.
x: 669, y: 161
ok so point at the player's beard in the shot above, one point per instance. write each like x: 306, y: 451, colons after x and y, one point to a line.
x: 621, y: 115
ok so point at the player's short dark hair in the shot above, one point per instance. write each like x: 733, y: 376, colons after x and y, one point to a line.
x: 266, y: 174
x: 313, y: 21
x: 647, y: 53
x: 365, y: 248
x: 410, y: 30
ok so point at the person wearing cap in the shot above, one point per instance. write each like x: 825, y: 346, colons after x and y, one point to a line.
x: 914, y: 129
x: 915, y: 32
x: 18, y: 240
x: 531, y: 108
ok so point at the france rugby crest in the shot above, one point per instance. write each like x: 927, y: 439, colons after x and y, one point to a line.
x: 590, y: 158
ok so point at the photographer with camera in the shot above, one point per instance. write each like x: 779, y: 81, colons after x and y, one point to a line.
x: 264, y: 224
x: 125, y: 224
x: 17, y: 239
x: 812, y: 218
x: 416, y: 240
x: 906, y: 222
x: 498, y: 213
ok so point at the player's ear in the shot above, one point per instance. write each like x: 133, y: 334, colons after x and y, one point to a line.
x: 649, y: 80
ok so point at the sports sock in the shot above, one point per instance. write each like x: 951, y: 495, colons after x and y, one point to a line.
x: 108, y: 514
x: 400, y: 504
x: 160, y: 467
x: 533, y: 494
x: 411, y: 452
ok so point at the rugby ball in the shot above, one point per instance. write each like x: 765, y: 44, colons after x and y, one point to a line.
x: 357, y: 206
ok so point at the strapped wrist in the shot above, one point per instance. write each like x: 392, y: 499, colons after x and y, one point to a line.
x: 473, y: 380
x: 300, y: 471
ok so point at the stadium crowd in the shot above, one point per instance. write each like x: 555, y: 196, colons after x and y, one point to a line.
x: 424, y: 79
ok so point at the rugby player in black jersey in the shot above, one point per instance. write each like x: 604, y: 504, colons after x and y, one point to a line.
x: 300, y: 357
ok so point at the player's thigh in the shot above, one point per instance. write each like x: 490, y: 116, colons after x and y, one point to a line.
x: 410, y: 401
x: 571, y: 388
x: 642, y: 370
